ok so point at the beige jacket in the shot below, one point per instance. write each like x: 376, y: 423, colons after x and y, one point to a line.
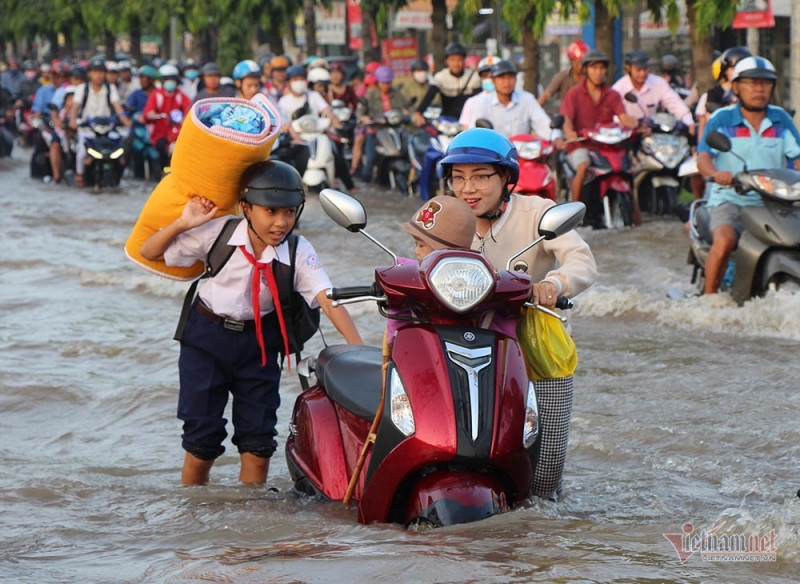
x: 566, y: 261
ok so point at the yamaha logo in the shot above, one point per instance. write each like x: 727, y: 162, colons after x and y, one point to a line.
x: 469, y: 337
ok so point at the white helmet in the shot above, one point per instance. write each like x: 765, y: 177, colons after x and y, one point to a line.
x: 112, y: 67
x: 486, y: 64
x: 318, y: 74
x: 168, y: 70
x: 754, y: 68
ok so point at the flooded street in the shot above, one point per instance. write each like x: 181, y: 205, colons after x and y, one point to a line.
x: 686, y: 412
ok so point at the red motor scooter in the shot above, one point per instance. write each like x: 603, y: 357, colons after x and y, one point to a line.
x: 535, y: 175
x: 444, y: 422
x: 607, y: 188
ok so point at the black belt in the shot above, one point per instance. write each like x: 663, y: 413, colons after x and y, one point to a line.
x: 228, y: 323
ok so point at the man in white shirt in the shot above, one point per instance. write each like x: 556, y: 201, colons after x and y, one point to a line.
x: 511, y: 111
x: 653, y: 92
x: 96, y: 98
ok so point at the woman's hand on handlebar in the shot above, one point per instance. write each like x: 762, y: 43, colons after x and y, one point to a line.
x: 545, y: 294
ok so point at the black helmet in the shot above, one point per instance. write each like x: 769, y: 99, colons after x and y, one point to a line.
x: 637, y: 59
x: 670, y: 64
x: 96, y: 64
x: 733, y: 55
x: 419, y: 65
x: 503, y: 68
x: 455, y: 49
x: 273, y: 183
x: 594, y: 56
x: 78, y: 71
x: 211, y: 68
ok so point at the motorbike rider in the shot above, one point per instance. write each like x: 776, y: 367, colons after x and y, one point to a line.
x: 277, y: 85
x: 376, y: 102
x: 217, y: 359
x: 584, y: 106
x: 512, y: 111
x: 96, y: 98
x: 481, y: 168
x: 339, y: 88
x: 299, y: 97
x: 318, y: 80
x: 416, y: 88
x: 137, y: 100
x: 454, y: 84
x: 30, y: 82
x: 112, y: 75
x: 763, y: 135
x: 652, y: 92
x: 247, y: 76
x: 468, y: 116
x: 12, y: 78
x: 190, y: 78
x: 161, y: 103
x: 210, y: 84
x: 44, y: 95
x: 566, y: 79
x: 721, y: 94
x: 127, y: 83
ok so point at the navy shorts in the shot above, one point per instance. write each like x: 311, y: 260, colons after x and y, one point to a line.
x: 214, y: 362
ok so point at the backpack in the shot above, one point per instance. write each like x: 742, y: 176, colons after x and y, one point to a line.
x: 86, y: 91
x: 301, y: 320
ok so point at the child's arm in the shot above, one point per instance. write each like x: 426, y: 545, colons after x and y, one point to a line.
x: 197, y: 211
x: 340, y: 318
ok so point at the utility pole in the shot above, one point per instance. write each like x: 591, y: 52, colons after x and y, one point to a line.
x: 794, y: 56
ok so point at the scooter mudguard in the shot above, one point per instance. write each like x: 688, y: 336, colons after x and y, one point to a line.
x: 313, y: 177
x: 314, y: 449
x: 535, y: 179
x: 448, y: 498
x: 615, y: 183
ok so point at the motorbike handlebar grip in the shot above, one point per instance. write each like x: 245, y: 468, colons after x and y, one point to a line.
x: 350, y: 292
x: 564, y: 303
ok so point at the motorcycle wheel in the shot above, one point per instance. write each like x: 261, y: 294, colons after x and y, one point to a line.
x: 618, y: 209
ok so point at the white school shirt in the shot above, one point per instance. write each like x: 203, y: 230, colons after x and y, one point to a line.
x: 97, y: 102
x: 290, y: 103
x: 229, y: 292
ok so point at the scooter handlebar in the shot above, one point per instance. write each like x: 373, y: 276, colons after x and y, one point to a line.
x: 564, y: 303
x: 352, y: 292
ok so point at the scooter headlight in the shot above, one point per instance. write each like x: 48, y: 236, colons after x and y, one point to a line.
x: 447, y: 128
x: 530, y: 431
x: 668, y: 149
x: 117, y: 153
x: 461, y: 283
x: 610, y: 135
x: 528, y: 150
x: 308, y: 125
x: 342, y: 114
x: 97, y: 155
x: 777, y: 188
x: 401, y: 412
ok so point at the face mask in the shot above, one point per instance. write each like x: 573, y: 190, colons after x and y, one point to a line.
x: 191, y: 74
x: 30, y: 75
x: 170, y: 85
x: 420, y: 76
x: 487, y: 85
x: 298, y: 86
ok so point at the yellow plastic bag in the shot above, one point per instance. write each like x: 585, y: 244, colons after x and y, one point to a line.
x: 549, y: 350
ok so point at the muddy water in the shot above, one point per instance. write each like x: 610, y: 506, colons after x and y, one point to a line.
x: 685, y: 412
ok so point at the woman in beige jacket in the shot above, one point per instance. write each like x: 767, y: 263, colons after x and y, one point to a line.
x: 481, y: 168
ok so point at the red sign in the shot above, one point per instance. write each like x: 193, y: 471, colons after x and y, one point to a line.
x: 354, y: 24
x: 754, y: 14
x: 399, y: 53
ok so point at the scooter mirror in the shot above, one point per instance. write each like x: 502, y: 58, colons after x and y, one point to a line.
x: 560, y: 219
x: 484, y: 123
x: 344, y: 209
x: 630, y: 97
x: 718, y: 141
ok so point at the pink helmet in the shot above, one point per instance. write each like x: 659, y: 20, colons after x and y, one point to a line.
x: 472, y: 61
x: 576, y: 50
x: 371, y: 66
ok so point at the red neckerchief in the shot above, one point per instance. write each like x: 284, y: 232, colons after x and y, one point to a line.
x: 260, y: 268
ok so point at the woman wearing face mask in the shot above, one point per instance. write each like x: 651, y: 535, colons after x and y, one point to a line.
x: 160, y: 104
x: 416, y: 89
x: 468, y: 114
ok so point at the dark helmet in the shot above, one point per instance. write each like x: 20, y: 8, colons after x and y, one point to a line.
x: 481, y: 145
x: 419, y: 65
x: 211, y: 68
x: 503, y: 68
x: 273, y: 183
x: 637, y: 59
x: 670, y: 64
x: 733, y: 55
x: 78, y: 71
x: 296, y: 71
x: 455, y: 49
x: 594, y: 56
x: 96, y: 64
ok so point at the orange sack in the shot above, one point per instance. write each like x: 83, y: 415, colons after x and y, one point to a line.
x: 209, y: 162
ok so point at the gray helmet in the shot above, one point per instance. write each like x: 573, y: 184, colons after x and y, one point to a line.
x: 455, y: 49
x: 419, y: 65
x: 503, y: 68
x: 637, y: 59
x: 594, y: 56
x: 273, y: 183
x: 96, y: 64
x: 211, y: 69
x: 733, y: 55
x: 670, y: 64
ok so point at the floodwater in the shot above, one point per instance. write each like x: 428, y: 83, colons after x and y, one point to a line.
x: 686, y: 412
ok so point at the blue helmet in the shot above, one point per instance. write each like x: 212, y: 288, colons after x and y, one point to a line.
x: 295, y: 71
x: 481, y: 145
x: 246, y: 68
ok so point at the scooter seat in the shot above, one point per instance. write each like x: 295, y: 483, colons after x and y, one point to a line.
x: 351, y: 375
